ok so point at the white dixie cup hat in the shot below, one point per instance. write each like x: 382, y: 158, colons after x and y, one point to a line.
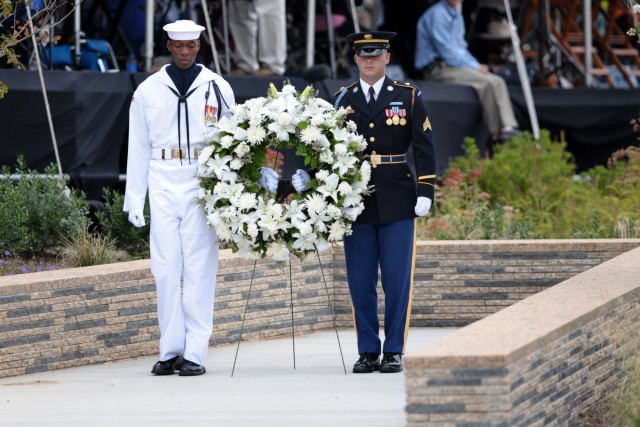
x: 183, y: 29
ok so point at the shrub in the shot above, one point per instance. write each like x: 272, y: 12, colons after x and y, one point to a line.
x: 114, y: 223
x: 38, y: 211
x: 529, y: 189
x: 85, y: 248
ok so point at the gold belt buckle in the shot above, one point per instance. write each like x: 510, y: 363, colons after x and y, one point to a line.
x: 175, y: 153
x: 376, y: 159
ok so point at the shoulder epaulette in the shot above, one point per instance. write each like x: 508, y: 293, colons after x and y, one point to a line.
x: 343, y: 88
x: 406, y: 85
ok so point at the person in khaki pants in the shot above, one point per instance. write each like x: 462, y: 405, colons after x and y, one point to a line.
x: 442, y: 56
x: 259, y: 33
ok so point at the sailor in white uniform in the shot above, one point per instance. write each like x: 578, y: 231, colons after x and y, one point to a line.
x: 168, y: 119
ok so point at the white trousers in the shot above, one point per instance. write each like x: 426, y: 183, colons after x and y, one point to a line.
x: 497, y: 111
x: 183, y: 247
x: 259, y: 32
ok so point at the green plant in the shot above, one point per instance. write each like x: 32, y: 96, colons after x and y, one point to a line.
x: 534, y: 177
x: 10, y: 264
x: 114, y: 223
x: 529, y: 189
x: 85, y: 248
x: 38, y: 210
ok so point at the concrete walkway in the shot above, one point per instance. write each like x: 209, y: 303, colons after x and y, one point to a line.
x: 265, y: 389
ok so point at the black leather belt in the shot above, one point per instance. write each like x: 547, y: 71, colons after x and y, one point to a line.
x: 385, y: 159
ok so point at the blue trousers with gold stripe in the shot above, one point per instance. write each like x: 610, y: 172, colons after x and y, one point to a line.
x: 391, y: 247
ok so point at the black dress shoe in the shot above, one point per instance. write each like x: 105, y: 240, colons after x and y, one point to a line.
x: 367, y: 363
x: 391, y: 362
x: 190, y: 369
x: 166, y: 367
x: 508, y: 134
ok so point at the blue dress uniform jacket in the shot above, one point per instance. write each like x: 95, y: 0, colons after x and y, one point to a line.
x: 399, y: 120
x: 384, y: 234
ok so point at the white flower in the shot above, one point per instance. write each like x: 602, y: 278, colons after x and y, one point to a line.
x: 242, y: 149
x: 288, y: 89
x: 326, y: 157
x: 223, y: 232
x: 333, y: 212
x: 205, y: 154
x: 336, y: 231
x: 236, y: 164
x: 330, y: 187
x: 322, y: 174
x: 636, y: 8
x: 249, y: 219
x: 219, y: 164
x: 305, y: 242
x: 340, y: 149
x: 226, y: 142
x: 344, y: 163
x: 255, y: 134
x: 322, y: 142
x: 240, y: 134
x: 365, y: 171
x: 282, y: 127
x: 278, y: 251
x: 310, y: 134
x: 247, y: 201
x: 315, y: 203
x: 252, y: 230
x: 317, y: 121
x: 227, y: 124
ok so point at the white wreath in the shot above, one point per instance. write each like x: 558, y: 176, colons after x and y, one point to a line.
x: 247, y: 217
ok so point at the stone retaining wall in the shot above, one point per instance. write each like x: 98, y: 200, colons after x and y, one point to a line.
x: 541, y: 361
x: 57, y: 319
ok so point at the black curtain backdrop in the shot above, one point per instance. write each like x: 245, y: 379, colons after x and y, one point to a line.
x: 90, y: 115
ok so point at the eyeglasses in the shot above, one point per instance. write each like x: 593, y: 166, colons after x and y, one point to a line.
x: 370, y: 52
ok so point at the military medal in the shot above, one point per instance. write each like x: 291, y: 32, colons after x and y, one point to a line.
x: 402, y: 113
x: 389, y: 113
x: 210, y: 114
x: 396, y: 119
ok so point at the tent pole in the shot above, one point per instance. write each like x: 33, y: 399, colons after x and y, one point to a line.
x: 522, y: 73
x: 354, y: 15
x: 148, y: 35
x: 77, y: 9
x: 44, y: 90
x: 311, y: 31
x: 588, y: 58
x: 212, y: 41
x: 225, y: 28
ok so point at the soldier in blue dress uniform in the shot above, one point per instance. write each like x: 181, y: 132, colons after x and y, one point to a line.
x: 392, y: 117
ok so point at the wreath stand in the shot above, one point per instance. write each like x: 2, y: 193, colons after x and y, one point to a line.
x: 293, y: 338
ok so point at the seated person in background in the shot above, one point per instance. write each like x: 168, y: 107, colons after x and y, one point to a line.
x: 442, y: 55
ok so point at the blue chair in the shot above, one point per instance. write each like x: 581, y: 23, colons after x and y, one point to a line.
x: 57, y: 57
x: 98, y: 55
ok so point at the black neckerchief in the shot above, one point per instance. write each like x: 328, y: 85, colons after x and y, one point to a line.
x: 183, y: 80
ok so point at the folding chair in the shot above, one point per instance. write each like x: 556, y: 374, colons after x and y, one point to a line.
x: 98, y: 55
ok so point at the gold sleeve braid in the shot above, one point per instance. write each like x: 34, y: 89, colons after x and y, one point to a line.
x: 427, y: 180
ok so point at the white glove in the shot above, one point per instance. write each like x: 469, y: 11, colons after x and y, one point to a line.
x: 269, y: 179
x: 136, y: 217
x: 300, y: 180
x: 422, y: 206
